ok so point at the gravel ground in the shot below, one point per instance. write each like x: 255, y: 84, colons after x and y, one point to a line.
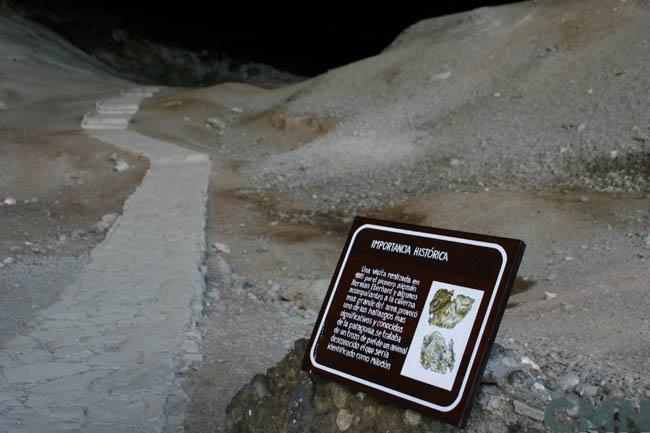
x: 29, y: 285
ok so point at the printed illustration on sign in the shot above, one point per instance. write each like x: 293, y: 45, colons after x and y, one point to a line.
x: 442, y: 335
x: 437, y: 355
x: 446, y: 311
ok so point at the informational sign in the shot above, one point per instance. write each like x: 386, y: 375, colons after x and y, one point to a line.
x: 411, y: 314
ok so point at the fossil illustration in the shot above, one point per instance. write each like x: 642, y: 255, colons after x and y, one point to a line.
x: 436, y: 354
x: 446, y: 311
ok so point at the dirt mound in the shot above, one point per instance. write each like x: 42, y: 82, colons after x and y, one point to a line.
x: 535, y: 95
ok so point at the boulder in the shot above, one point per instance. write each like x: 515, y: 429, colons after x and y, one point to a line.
x: 287, y: 399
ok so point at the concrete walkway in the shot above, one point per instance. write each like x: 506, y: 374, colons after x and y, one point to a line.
x: 108, y: 356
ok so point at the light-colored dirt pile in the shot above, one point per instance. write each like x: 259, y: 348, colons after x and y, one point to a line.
x: 534, y: 95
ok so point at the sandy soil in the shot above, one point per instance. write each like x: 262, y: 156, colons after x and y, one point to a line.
x: 74, y: 182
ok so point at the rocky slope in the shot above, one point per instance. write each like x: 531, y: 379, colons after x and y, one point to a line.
x: 533, y: 95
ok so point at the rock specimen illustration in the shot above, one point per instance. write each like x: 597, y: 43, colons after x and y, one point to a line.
x: 436, y: 354
x: 446, y: 311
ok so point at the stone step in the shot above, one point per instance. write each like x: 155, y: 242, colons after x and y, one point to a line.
x: 143, y: 91
x: 105, y: 121
x: 128, y: 104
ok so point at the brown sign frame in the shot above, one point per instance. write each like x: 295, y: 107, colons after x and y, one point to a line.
x: 473, y: 258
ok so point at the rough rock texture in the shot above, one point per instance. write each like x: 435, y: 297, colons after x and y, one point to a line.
x: 446, y: 311
x: 513, y: 397
x: 287, y: 399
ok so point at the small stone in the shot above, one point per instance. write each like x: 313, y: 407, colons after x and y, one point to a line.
x: 491, y: 402
x: 305, y: 276
x: 638, y: 135
x: 322, y: 403
x: 588, y: 390
x: 221, y: 248
x: 549, y: 295
x: 541, y: 391
x: 10, y: 201
x: 523, y: 409
x: 551, y: 277
x: 497, y: 94
x: 174, y: 103
x: 344, y: 419
x: 114, y: 157
x: 8, y: 260
x: 121, y: 165
x: 441, y: 76
x: 236, y: 110
x: 568, y: 382
x: 613, y: 154
x: 590, y: 91
x: 581, y: 127
x: 455, y: 162
x: 78, y: 233
x: 339, y: 395
x: 218, y: 125
x: 502, y: 363
x: 260, y: 386
x: 105, y: 223
x: 412, y: 418
x: 647, y: 241
x: 527, y: 361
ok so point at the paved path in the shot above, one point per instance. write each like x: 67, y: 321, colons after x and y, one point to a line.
x: 107, y: 357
